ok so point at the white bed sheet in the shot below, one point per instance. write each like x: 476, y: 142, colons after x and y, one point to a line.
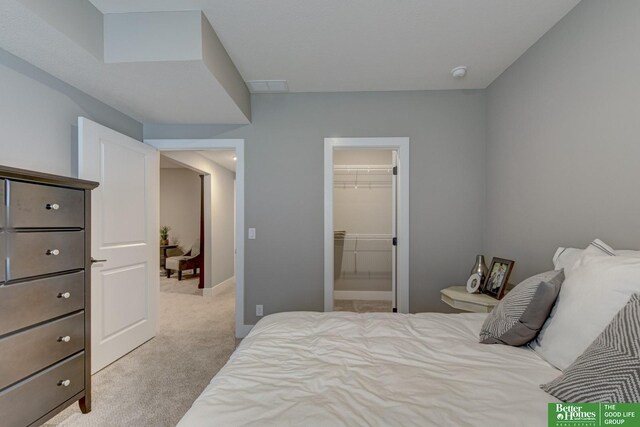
x: 377, y: 369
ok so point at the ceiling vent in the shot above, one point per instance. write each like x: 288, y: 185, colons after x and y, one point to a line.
x: 268, y: 86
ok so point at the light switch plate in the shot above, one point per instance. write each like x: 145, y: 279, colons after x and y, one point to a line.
x: 252, y: 234
x: 259, y: 311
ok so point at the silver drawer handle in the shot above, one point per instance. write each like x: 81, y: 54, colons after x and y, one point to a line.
x: 53, y: 206
x: 66, y: 338
x: 65, y: 295
x: 65, y: 383
x: 53, y: 252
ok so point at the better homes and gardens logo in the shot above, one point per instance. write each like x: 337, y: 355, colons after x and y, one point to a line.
x: 594, y: 414
x: 576, y: 414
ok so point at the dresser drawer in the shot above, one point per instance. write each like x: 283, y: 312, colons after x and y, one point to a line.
x: 2, y: 258
x: 25, y: 402
x: 27, y: 303
x: 34, y: 254
x: 2, y: 204
x: 43, y: 206
x: 32, y: 350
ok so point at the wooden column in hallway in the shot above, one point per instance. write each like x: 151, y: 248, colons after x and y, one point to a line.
x: 202, y: 254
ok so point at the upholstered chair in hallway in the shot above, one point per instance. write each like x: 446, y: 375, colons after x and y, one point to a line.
x: 190, y: 261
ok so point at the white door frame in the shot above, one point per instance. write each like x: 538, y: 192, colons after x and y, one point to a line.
x: 222, y: 144
x: 401, y: 145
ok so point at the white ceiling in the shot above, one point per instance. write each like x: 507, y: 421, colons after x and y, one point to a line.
x: 369, y: 45
x: 167, y: 163
x: 222, y: 157
x: 317, y: 46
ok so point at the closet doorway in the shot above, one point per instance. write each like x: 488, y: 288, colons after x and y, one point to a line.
x: 366, y: 224
x: 364, y: 207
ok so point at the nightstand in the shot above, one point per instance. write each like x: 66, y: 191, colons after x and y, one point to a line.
x: 458, y: 297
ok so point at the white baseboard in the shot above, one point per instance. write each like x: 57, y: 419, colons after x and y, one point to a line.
x: 210, y: 292
x: 243, y: 330
x: 363, y: 295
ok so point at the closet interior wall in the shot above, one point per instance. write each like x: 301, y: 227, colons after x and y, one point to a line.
x: 362, y: 217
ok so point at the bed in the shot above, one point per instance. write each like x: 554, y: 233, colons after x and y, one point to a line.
x: 374, y: 369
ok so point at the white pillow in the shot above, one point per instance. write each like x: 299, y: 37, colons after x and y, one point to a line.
x: 597, y: 288
x: 566, y: 258
x: 629, y: 253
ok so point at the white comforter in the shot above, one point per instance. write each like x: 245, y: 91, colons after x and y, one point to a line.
x: 378, y: 369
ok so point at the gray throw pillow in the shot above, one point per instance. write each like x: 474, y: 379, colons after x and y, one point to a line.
x: 519, y: 316
x: 609, y: 369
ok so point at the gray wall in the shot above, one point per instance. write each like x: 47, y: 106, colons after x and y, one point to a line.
x: 284, y: 186
x: 39, y: 116
x: 563, y: 129
x: 223, y: 223
x: 180, y: 205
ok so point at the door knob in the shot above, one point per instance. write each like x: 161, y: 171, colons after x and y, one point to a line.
x: 65, y: 295
x: 65, y: 383
x: 66, y: 338
x: 53, y: 252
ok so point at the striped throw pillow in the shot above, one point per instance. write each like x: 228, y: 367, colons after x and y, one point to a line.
x: 519, y: 316
x: 609, y: 369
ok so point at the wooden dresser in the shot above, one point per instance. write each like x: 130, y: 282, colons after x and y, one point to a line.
x: 45, y: 299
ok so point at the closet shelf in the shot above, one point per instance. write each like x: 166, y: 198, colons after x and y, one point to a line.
x: 360, y: 184
x: 368, y: 237
x: 365, y: 254
x: 362, y: 176
x: 363, y: 170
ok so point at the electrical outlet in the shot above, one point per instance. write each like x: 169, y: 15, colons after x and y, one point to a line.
x: 259, y: 311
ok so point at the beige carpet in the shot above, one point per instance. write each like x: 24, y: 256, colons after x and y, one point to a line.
x: 188, y: 285
x: 155, y: 384
x: 362, y: 306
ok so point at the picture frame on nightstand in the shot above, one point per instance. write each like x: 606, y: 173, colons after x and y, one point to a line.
x: 498, y: 277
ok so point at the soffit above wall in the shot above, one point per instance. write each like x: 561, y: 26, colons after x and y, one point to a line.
x: 369, y: 45
x: 205, y: 88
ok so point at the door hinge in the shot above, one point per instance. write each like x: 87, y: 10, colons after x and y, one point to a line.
x: 395, y: 170
x: 394, y: 241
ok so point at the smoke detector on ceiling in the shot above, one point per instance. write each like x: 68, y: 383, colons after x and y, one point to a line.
x: 459, y: 72
x: 268, y: 86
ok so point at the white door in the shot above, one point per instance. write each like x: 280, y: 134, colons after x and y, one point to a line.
x: 394, y: 232
x: 124, y: 232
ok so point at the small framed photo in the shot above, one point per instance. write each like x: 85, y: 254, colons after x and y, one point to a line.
x: 498, y: 277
